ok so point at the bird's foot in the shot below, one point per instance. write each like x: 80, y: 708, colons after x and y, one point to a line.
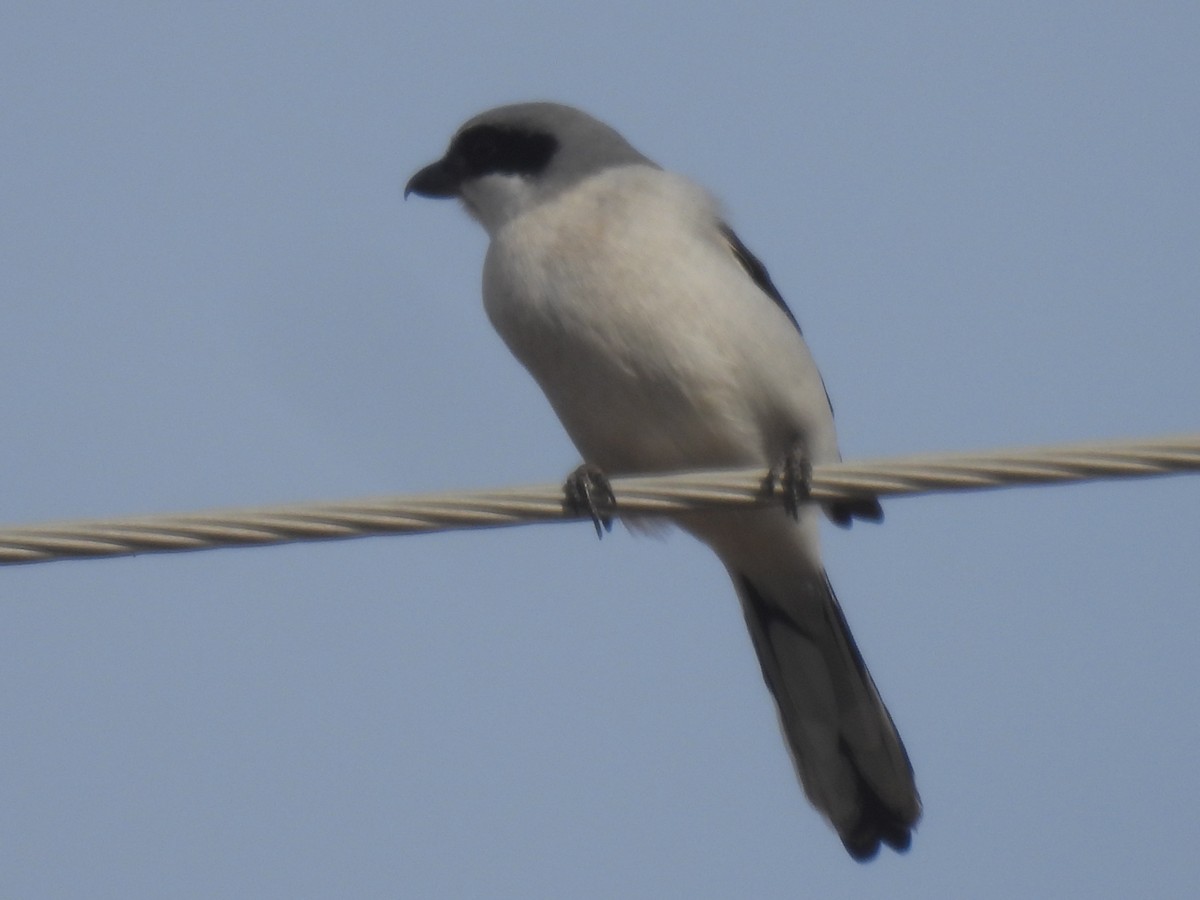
x: 587, y: 492
x: 791, y: 480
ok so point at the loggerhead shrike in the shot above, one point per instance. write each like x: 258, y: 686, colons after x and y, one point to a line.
x: 662, y: 345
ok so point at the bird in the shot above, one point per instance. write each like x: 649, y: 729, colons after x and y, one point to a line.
x: 662, y: 344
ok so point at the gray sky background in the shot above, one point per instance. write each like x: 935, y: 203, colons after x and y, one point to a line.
x: 984, y: 216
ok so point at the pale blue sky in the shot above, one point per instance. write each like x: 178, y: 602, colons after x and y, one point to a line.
x: 985, y: 217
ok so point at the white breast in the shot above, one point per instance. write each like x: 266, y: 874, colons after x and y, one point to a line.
x: 654, y: 347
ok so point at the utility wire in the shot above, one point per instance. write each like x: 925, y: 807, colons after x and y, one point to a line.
x: 657, y: 495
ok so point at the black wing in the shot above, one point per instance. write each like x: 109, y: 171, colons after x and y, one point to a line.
x: 844, y: 512
x: 757, y: 271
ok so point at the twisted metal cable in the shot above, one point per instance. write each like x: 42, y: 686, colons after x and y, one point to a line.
x: 644, y: 495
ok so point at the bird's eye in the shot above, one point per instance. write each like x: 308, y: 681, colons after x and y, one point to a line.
x: 489, y: 149
x: 479, y: 149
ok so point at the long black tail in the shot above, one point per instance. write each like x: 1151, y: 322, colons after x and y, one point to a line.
x: 848, y: 754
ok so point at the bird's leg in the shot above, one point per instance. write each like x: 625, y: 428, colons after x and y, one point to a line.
x: 587, y: 492
x: 791, y: 478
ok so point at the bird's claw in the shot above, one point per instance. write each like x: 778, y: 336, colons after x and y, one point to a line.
x: 791, y: 480
x: 587, y: 492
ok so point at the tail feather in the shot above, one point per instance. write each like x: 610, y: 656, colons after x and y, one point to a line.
x: 847, y: 752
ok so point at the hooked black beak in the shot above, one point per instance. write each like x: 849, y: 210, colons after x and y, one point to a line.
x: 439, y: 179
